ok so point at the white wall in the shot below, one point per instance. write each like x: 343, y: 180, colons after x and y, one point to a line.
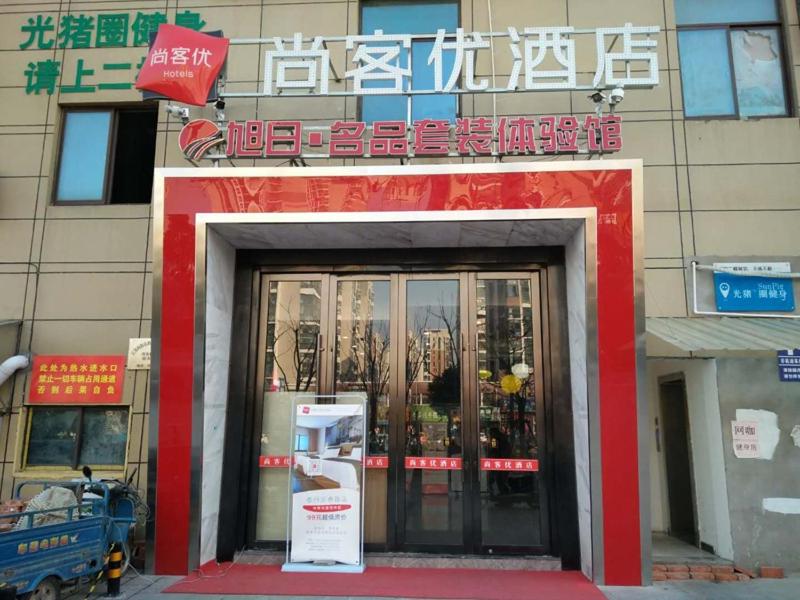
x: 220, y: 265
x: 708, y: 465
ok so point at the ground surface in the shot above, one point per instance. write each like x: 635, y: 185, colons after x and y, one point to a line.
x: 144, y: 587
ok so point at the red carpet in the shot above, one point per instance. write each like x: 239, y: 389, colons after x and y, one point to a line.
x: 461, y: 584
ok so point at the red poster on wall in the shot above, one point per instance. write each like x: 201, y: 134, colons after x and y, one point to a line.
x: 82, y: 379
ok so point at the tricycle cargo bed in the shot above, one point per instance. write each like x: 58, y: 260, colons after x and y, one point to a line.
x: 66, y: 550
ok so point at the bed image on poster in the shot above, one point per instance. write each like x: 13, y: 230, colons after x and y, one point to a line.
x: 327, y: 484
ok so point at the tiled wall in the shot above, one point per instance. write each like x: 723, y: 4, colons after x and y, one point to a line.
x: 80, y: 276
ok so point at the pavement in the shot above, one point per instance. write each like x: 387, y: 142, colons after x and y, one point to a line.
x: 150, y: 587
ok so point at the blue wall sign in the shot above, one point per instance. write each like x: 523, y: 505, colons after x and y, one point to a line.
x: 789, y: 365
x: 746, y: 293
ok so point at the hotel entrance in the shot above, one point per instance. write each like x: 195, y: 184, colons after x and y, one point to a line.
x: 451, y: 365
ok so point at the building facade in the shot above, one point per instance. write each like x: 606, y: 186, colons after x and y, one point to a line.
x: 83, y: 247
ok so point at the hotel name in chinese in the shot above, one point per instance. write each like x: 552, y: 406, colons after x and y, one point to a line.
x: 378, y: 64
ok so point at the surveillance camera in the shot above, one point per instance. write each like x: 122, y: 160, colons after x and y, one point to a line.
x: 180, y: 112
x: 219, y: 104
x: 617, y: 96
x: 597, y: 97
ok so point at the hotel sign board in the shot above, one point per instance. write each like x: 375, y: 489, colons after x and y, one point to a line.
x: 480, y: 136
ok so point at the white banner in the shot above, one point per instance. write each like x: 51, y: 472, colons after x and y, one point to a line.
x: 327, y: 472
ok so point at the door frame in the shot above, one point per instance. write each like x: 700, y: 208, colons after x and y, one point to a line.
x: 240, y: 445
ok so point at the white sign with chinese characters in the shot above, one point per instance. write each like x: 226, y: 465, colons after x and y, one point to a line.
x: 745, y: 439
x: 754, y: 268
x: 542, y: 59
x: 139, y: 354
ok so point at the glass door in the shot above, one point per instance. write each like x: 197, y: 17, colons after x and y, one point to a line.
x: 362, y: 349
x: 429, y: 454
x: 509, y: 503
x: 291, y: 349
x: 451, y: 366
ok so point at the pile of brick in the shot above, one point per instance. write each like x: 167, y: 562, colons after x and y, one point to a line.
x: 710, y: 572
x: 10, y: 508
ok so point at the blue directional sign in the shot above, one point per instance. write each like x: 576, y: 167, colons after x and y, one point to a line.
x: 789, y: 365
x: 749, y: 293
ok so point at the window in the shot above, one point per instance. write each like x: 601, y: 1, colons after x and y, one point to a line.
x: 107, y: 156
x: 411, y: 18
x: 731, y: 58
x: 72, y: 436
x: 301, y: 443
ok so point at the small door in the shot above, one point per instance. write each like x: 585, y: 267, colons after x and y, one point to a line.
x: 677, y: 455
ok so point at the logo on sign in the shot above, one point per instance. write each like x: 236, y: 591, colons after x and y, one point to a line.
x: 724, y: 289
x: 198, y: 137
x: 183, y: 64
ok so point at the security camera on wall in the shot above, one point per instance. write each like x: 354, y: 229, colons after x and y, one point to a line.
x: 179, y: 112
x: 617, y: 96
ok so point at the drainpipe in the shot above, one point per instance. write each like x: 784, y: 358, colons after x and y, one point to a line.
x: 7, y: 368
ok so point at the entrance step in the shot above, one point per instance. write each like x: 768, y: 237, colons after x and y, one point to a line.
x: 424, y: 560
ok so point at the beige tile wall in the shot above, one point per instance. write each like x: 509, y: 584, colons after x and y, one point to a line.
x: 80, y: 277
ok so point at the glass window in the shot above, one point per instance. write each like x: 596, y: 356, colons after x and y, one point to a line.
x: 759, y: 73
x: 704, y: 12
x: 411, y: 18
x: 84, y: 156
x: 72, y: 436
x: 736, y: 68
x: 706, y: 73
x: 107, y: 156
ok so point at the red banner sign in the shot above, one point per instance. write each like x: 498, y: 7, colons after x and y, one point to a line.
x: 377, y: 462
x: 372, y: 462
x: 433, y: 463
x: 77, y: 380
x: 182, y: 64
x: 509, y: 464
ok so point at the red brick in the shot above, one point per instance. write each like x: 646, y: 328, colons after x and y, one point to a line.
x: 748, y: 572
x: 700, y: 568
x: 659, y: 567
x: 703, y: 576
x: 772, y: 572
x: 681, y: 575
x: 726, y: 577
x: 659, y: 575
x: 678, y: 568
x: 725, y: 569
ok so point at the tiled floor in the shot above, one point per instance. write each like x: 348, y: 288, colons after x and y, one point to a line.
x: 668, y: 549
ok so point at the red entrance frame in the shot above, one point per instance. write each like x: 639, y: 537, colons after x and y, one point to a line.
x: 612, y: 188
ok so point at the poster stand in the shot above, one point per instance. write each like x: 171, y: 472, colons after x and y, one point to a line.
x: 327, y: 547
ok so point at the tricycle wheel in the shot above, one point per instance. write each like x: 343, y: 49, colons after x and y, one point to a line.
x: 49, y: 588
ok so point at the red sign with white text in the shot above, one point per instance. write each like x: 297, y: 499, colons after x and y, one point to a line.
x: 509, y: 464
x: 268, y: 462
x: 183, y: 64
x: 74, y: 379
x: 433, y: 463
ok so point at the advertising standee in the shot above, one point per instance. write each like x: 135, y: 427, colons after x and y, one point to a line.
x: 326, y: 488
